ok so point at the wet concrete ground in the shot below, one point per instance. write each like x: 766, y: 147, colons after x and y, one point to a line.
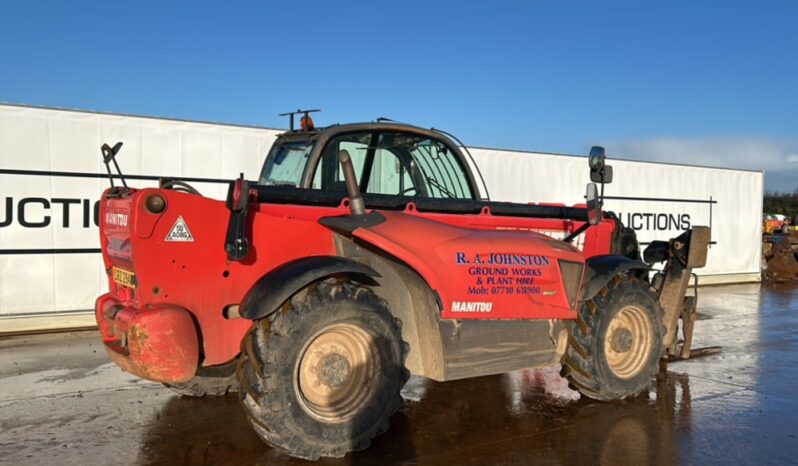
x: 63, y: 402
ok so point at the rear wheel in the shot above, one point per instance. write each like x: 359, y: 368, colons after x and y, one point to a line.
x: 212, y: 380
x: 321, y: 377
x: 615, y: 344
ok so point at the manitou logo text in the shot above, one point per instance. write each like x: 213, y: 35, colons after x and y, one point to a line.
x: 471, y: 306
x: 116, y: 218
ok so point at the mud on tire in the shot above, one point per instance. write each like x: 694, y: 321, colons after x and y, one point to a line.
x: 212, y: 380
x: 615, y: 344
x: 322, y: 376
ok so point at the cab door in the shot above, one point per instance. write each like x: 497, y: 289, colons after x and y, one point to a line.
x: 395, y: 163
x: 415, y: 165
x: 328, y: 174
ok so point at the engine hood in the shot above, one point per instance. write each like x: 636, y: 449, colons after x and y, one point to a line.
x: 484, y: 274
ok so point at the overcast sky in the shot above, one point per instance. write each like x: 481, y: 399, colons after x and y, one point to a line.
x: 710, y: 83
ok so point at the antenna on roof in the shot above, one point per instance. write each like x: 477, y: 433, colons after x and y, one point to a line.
x: 306, y: 123
x: 381, y: 119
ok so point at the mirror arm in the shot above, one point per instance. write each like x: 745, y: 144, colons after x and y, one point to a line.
x: 601, y: 196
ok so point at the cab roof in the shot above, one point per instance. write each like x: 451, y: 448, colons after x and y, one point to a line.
x: 329, y: 131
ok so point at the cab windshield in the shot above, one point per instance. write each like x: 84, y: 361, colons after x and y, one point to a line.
x: 285, y: 164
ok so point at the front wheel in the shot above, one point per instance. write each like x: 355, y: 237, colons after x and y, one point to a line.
x: 322, y: 376
x: 615, y: 344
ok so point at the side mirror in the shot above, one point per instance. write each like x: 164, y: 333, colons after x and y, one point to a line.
x: 600, y: 172
x: 604, y: 176
x: 593, y: 205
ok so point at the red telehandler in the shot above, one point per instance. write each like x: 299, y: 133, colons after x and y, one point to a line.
x: 368, y: 252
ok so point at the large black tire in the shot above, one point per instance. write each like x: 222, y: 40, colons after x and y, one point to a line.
x: 289, y: 361
x: 212, y: 380
x: 615, y: 344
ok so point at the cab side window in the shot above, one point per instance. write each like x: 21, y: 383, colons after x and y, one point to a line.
x: 329, y: 175
x: 390, y: 174
x: 394, y: 163
x: 414, y: 165
x: 444, y: 175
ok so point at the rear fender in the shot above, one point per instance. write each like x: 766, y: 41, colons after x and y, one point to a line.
x: 600, y: 269
x: 273, y: 289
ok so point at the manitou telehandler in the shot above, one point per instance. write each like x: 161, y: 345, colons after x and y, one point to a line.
x: 368, y: 252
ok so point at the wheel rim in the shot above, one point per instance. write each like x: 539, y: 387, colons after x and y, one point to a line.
x: 337, y: 372
x: 627, y: 344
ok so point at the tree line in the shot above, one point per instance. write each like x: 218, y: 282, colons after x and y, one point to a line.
x: 782, y: 203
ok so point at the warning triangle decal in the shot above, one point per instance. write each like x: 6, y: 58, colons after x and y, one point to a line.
x: 179, y: 231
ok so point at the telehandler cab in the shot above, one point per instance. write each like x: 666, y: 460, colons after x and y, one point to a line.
x: 367, y: 252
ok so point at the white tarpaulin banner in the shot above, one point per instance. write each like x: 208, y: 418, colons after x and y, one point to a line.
x: 657, y: 200
x: 51, y: 176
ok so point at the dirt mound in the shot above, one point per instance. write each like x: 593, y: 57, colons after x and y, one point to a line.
x: 782, y: 262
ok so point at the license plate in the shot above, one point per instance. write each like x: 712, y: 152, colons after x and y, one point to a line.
x: 124, y: 277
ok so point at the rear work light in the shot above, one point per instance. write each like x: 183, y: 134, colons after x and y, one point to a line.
x: 571, y: 273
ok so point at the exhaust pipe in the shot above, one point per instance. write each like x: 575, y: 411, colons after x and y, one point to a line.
x: 356, y: 204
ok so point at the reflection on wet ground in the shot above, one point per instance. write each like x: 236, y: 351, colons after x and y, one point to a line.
x: 737, y: 407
